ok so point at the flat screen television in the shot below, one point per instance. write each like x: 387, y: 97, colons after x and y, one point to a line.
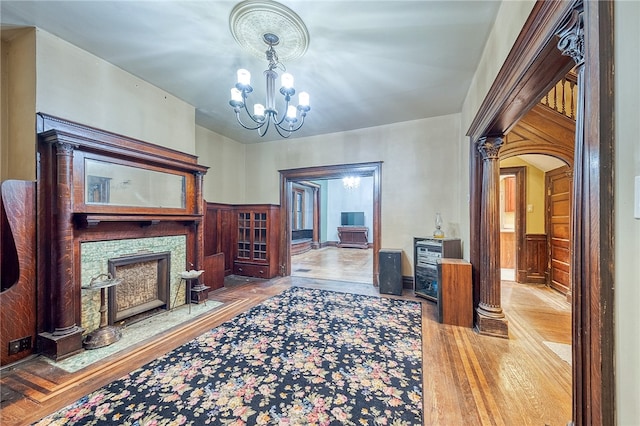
x: 352, y: 219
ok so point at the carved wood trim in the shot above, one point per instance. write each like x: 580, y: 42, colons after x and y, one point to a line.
x: 116, y: 146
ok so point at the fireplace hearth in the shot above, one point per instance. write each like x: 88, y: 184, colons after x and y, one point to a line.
x: 144, y: 287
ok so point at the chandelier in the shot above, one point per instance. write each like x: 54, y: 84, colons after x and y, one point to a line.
x: 292, y: 117
x: 351, y: 182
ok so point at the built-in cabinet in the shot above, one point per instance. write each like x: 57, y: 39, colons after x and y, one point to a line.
x: 245, y: 236
x: 256, y: 243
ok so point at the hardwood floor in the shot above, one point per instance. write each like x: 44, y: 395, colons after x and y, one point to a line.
x: 468, y: 378
x: 333, y: 263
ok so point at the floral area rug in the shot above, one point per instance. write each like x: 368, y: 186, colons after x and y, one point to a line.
x: 304, y: 357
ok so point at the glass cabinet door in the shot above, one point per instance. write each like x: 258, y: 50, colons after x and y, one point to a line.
x: 244, y: 235
x: 260, y: 236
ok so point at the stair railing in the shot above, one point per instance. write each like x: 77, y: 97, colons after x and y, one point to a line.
x: 562, y: 97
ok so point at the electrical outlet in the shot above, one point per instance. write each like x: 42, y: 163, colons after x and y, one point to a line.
x: 14, y: 347
x: 19, y: 345
x: 25, y: 343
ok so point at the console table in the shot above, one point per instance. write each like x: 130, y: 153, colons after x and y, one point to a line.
x: 353, y: 236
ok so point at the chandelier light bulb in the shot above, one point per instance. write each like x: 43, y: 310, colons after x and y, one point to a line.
x: 244, y: 77
x: 303, y: 99
x: 291, y: 112
x: 258, y: 110
x: 287, y: 80
x: 236, y: 95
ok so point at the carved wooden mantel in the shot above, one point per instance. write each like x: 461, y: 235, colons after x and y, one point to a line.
x: 67, y: 216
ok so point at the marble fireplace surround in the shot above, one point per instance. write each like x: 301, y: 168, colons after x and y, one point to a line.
x: 94, y: 260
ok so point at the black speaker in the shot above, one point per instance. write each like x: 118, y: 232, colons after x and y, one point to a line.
x: 390, y: 278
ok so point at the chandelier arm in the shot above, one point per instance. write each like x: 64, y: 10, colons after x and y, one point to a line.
x: 279, y: 129
x: 284, y: 114
x: 292, y: 129
x: 247, y: 127
x: 266, y: 128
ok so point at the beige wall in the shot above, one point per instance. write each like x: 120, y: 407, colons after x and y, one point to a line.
x: 226, y: 179
x: 420, y: 173
x: 627, y: 229
x: 17, y: 138
x: 511, y: 17
x: 78, y: 86
x: 534, y: 195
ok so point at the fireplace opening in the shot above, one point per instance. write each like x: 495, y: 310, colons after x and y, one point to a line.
x: 144, y: 287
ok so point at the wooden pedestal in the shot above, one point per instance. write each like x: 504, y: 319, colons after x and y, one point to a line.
x: 455, y: 298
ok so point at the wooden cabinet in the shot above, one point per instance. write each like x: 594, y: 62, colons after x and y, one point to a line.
x: 455, y: 298
x: 256, y: 242
x: 353, y: 236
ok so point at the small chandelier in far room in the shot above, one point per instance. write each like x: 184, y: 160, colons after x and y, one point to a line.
x: 351, y: 182
x: 253, y: 23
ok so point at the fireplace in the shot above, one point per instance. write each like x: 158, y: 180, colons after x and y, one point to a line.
x: 145, y: 285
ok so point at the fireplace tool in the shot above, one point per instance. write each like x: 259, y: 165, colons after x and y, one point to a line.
x: 105, y: 334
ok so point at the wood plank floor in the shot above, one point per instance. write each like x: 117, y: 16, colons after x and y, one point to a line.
x: 468, y: 379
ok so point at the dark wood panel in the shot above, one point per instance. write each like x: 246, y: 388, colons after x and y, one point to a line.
x: 213, y: 275
x: 219, y: 232
x: 17, y: 268
x: 536, y: 258
x: 558, y: 183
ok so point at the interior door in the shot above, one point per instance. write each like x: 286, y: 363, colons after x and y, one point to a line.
x: 558, y: 189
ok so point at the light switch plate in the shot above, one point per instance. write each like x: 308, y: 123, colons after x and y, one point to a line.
x: 636, y: 199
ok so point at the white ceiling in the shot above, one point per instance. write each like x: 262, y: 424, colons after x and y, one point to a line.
x: 369, y: 63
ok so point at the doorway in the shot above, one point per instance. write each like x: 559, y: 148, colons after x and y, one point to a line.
x: 289, y: 177
x: 529, y: 70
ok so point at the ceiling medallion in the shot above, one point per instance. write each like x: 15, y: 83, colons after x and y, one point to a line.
x: 250, y: 20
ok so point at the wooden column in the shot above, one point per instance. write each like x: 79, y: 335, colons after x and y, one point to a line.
x: 315, y: 242
x: 491, y: 319
x: 198, y: 256
x: 65, y: 337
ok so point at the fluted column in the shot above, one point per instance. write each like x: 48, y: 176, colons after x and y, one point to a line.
x: 65, y: 337
x: 491, y: 319
x: 198, y: 259
x: 64, y: 303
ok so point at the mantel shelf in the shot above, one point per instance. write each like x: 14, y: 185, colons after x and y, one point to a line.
x: 88, y: 220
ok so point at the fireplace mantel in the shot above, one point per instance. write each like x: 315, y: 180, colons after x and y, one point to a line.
x: 100, y: 186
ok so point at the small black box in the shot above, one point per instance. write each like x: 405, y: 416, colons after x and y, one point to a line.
x: 390, y: 278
